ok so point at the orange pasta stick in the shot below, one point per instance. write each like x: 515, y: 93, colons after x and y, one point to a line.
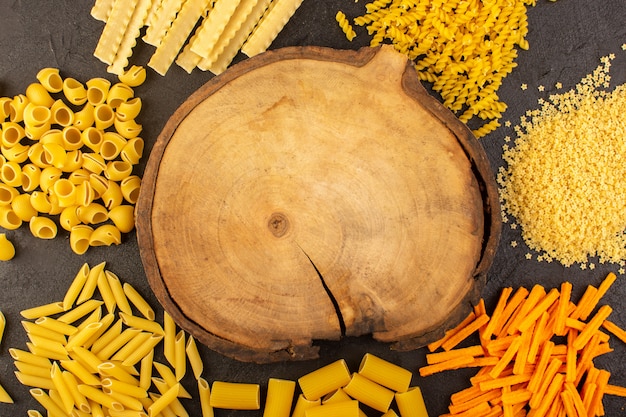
x: 487, y: 361
x: 497, y: 313
x: 592, y: 327
x: 615, y: 330
x: 455, y: 363
x: 480, y: 410
x: 507, y: 409
x: 521, y: 357
x: 602, y: 290
x: 536, y: 294
x: 504, y: 381
x: 484, y: 397
x: 542, y: 365
x: 496, y: 411
x: 585, y: 360
x: 475, y: 350
x: 465, y: 395
x: 515, y: 301
x: 615, y: 390
x: 587, y: 396
x: 566, y: 291
x: 568, y: 403
x: 497, y: 347
x: 601, y: 382
x: 506, y: 358
x: 570, y: 373
x: 551, y: 370
x: 578, y: 402
x: 553, y: 390
x: 516, y: 397
x: 540, y: 308
x: 586, y: 299
x: 465, y: 332
x: 537, y: 338
x: 437, y: 344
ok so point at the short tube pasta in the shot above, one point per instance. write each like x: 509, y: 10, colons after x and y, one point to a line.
x: 92, y: 138
x: 31, y: 174
x: 385, y: 373
x: 85, y: 117
x: 302, y: 404
x: 138, y: 301
x: 12, y: 133
x: 193, y: 355
x: 338, y: 409
x: 204, y: 392
x: 8, y: 219
x: 235, y: 396
x: 369, y: 393
x: 118, y: 94
x: 279, y: 397
x: 411, y: 403
x: 180, y: 356
x: 92, y: 213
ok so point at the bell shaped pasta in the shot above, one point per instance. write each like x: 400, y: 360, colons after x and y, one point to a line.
x: 133, y: 76
x: 65, y: 192
x: 54, y: 154
x: 5, y: 107
x: 36, y: 132
x: 123, y: 217
x: 72, y: 138
x: 74, y: 91
x: 36, y: 115
x: 37, y: 156
x: 128, y: 128
x: 38, y: 95
x: 79, y: 238
x: 7, y: 193
x: 105, y: 235
x: 118, y: 170
x: 99, y: 184
x: 113, y: 196
x: 43, y: 227
x: 85, y: 194
x: 31, y: 174
x: 69, y: 218
x: 93, y: 213
x: 92, y: 138
x: 52, y: 136
x: 48, y: 177
x: 78, y: 176
x: 97, y: 90
x: 85, y: 117
x: 22, y: 208
x: 40, y: 202
x: 94, y: 163
x: 130, y: 188
x: 7, y: 250
x: 8, y: 219
x: 61, y: 113
x: 50, y: 79
x: 16, y: 153
x: 129, y: 110
x: 133, y: 151
x: 103, y: 116
x: 16, y: 108
x: 118, y: 94
x: 73, y: 161
x: 12, y: 133
x: 11, y: 174
x: 112, y: 145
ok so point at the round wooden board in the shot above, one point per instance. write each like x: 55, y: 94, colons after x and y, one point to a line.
x: 310, y: 193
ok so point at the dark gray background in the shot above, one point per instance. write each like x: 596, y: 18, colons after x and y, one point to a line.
x: 567, y: 39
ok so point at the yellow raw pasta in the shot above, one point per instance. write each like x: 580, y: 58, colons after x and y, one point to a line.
x: 279, y: 397
x: 4, y: 396
x: 143, y: 351
x: 100, y: 397
x: 320, y: 382
x: 118, y: 170
x: 12, y: 133
x: 138, y: 301
x: 50, y: 79
x: 61, y: 113
x: 193, y: 355
x: 43, y: 227
x: 31, y: 174
x: 123, y: 216
x: 164, y: 400
x: 338, y: 409
x: 92, y: 138
x: 103, y: 116
x: 7, y: 250
x: 213, y: 26
x: 74, y: 91
x: 11, y: 174
x: 145, y: 370
x: 118, y: 94
x: 169, y: 341
x: 113, y: 32
x: 35, y: 329
x: 411, y: 403
x: 43, y: 310
x: 92, y: 213
x: 16, y: 108
x: 180, y: 356
x: 134, y: 76
x: 302, y: 404
x: 204, y: 392
x: 22, y: 208
x: 79, y: 238
x: 118, y: 292
x: 129, y: 38
x: 8, y: 219
x: 345, y: 25
x: 369, y: 393
x: 235, y: 396
x: 272, y: 22
x: 7, y: 193
x: 162, y: 20
x: 130, y: 188
x: 129, y: 110
x: 46, y: 402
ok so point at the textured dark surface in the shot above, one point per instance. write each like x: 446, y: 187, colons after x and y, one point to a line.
x: 567, y: 39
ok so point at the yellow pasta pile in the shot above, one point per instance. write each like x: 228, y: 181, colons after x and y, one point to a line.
x: 68, y: 152
x: 206, y: 34
x: 87, y: 356
x: 465, y: 48
x: 536, y: 354
x: 564, y: 177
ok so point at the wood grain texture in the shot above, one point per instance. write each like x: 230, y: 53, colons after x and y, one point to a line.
x: 311, y: 193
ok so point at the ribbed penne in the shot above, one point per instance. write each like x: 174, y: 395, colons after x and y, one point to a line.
x: 302, y: 404
x: 369, y: 393
x: 320, y: 382
x: 279, y: 397
x: 235, y: 396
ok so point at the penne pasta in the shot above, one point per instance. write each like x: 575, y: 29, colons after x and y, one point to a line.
x: 106, y: 293
x: 204, y: 392
x: 61, y: 387
x: 34, y: 381
x: 91, y: 283
x: 302, y: 404
x: 138, y: 301
x: 176, y: 406
x: 80, y: 372
x: 110, y: 334
x: 132, y: 345
x: 167, y: 398
x: 35, y: 329
x: 80, y: 401
x: 118, y: 292
x: 46, y: 402
x: 87, y: 358
x: 79, y: 338
x: 338, y: 409
x: 411, y: 403
x: 128, y: 402
x: 124, y: 388
x: 4, y: 396
x: 43, y: 311
x: 235, y: 396
x: 100, y: 397
x: 170, y: 379
x: 30, y: 358
x: 193, y: 355
x: 145, y: 370
x: 116, y: 343
x: 279, y: 397
x: 141, y: 323
x: 34, y: 370
x: 56, y: 326
x: 141, y: 352
x: 180, y: 362
x: 169, y: 341
x: 115, y: 370
x: 80, y: 311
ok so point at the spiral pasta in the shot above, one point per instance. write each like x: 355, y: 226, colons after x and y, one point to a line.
x: 66, y: 147
x: 345, y: 25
